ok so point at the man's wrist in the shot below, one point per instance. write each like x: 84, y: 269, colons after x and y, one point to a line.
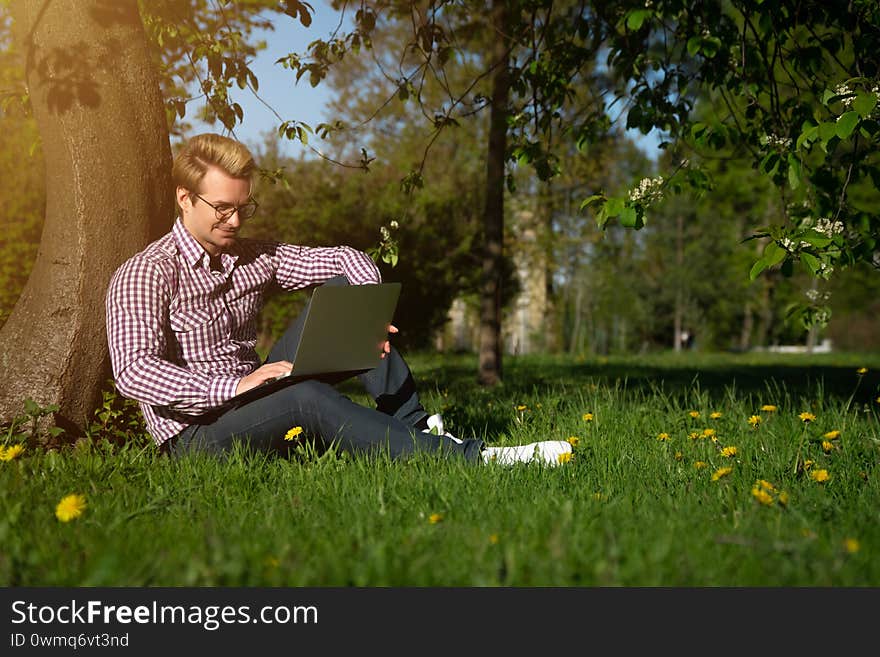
x: 221, y: 389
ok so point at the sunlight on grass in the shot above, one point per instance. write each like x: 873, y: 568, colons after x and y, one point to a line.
x: 710, y: 471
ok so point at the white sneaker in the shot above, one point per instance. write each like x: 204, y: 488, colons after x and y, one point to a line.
x: 435, y: 426
x: 548, y: 452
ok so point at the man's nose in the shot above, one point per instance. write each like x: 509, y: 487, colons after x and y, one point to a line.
x: 234, y: 220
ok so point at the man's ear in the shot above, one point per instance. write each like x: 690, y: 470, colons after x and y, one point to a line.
x: 182, y: 197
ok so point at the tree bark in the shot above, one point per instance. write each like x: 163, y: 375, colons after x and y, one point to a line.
x: 96, y: 100
x: 493, y: 217
x: 678, y: 310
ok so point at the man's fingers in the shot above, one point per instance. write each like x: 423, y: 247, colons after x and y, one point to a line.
x: 392, y: 328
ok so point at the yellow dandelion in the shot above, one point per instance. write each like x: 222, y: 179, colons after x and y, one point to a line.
x: 766, y: 485
x: 721, y: 472
x: 597, y: 496
x: 522, y: 408
x: 694, y: 414
x: 663, y: 436
x: 832, y: 435
x: 715, y: 415
x: 70, y: 507
x: 783, y: 498
x: 700, y: 464
x: 808, y: 463
x: 851, y: 545
x: 587, y: 417
x: 877, y: 400
x: 573, y: 441
x: 678, y: 456
x: 755, y: 420
x: 769, y: 408
x: 565, y: 458
x: 694, y: 435
x: 709, y: 433
x: 434, y: 518
x: 293, y: 433
x: 762, y: 496
x: 728, y: 451
x: 806, y: 417
x: 820, y: 475
x: 493, y: 539
x: 862, y: 371
x: 827, y: 446
x: 11, y: 452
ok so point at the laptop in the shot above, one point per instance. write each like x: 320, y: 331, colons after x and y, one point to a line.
x: 343, y: 333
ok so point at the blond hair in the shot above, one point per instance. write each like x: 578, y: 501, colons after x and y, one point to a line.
x: 211, y: 150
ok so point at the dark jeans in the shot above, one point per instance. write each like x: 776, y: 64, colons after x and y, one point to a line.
x: 325, y: 413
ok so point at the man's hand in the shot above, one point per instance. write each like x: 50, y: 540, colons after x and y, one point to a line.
x: 262, y: 374
x: 386, y: 346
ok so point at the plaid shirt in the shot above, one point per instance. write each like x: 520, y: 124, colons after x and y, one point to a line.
x: 182, y: 336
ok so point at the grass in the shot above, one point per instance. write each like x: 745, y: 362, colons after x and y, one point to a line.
x: 629, y: 510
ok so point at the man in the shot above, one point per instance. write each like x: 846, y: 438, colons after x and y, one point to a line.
x: 181, y: 330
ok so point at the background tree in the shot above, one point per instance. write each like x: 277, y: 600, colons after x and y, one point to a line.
x: 794, y: 86
x: 22, y: 187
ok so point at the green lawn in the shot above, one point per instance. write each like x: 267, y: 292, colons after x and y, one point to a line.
x: 653, y: 497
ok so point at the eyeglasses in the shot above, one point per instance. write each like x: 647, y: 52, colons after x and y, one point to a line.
x: 224, y: 211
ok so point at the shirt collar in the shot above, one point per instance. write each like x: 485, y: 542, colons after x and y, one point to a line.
x: 194, y: 253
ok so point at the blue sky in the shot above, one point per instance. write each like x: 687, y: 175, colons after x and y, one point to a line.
x: 278, y: 86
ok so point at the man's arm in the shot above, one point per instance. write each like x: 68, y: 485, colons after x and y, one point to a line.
x: 137, y: 308
x: 297, y: 267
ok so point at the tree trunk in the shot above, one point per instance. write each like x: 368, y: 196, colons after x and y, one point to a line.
x: 745, y: 335
x: 678, y: 310
x: 493, y: 217
x: 95, y: 98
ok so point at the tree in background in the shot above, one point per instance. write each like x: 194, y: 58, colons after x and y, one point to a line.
x: 794, y: 86
x: 22, y: 187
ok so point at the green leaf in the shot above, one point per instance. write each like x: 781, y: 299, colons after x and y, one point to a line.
x: 816, y: 239
x: 710, y: 46
x: 635, y: 18
x: 757, y: 268
x: 590, y: 200
x: 846, y: 124
x: 628, y: 218
x: 808, y: 135
x: 773, y: 254
x: 693, y: 45
x: 864, y: 104
x: 794, y: 172
x: 614, y: 206
x: 811, y: 261
x: 770, y: 163
x: 827, y: 130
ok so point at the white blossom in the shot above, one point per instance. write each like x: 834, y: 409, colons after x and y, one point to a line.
x: 843, y: 90
x: 648, y: 191
x: 778, y: 143
x: 828, y: 227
